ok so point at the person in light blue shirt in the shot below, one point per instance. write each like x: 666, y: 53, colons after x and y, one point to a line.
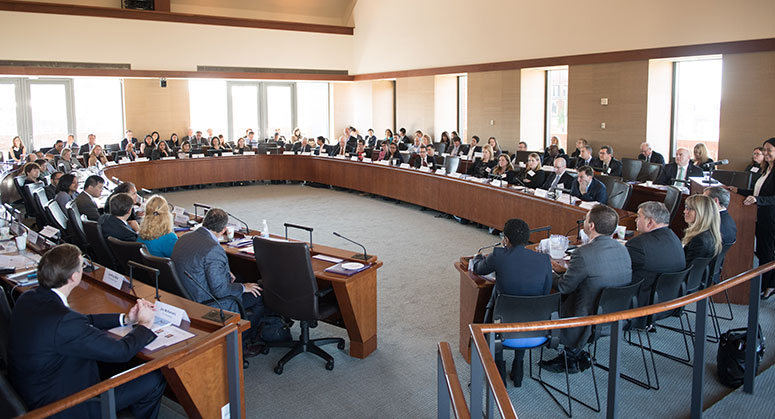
x: 156, y: 229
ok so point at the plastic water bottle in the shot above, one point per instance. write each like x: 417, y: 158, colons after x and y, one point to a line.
x: 265, y: 230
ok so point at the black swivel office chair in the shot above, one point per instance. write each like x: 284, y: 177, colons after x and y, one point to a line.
x: 40, y: 201
x: 451, y: 164
x: 649, y: 171
x: 75, y: 225
x: 55, y: 214
x: 291, y: 290
x: 123, y: 252
x: 11, y: 405
x: 5, y: 330
x: 99, y: 247
x: 672, y: 199
x: 631, y: 169
x: 619, y: 194
x: 608, y: 181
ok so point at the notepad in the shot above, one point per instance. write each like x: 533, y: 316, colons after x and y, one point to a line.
x: 328, y: 258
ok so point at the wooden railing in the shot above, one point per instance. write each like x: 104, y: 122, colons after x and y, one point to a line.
x: 483, y: 339
x: 104, y: 389
x: 449, y: 389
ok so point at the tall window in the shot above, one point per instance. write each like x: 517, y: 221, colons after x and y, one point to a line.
x: 207, y: 99
x: 99, y: 109
x: 697, y: 104
x: 9, y: 125
x: 312, y: 108
x: 279, y: 109
x: 557, y: 106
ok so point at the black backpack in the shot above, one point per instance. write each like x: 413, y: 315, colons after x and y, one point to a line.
x: 730, y: 360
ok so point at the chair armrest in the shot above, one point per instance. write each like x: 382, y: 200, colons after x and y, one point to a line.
x: 237, y: 300
x: 324, y: 292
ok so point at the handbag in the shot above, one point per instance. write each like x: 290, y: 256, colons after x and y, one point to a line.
x: 730, y: 359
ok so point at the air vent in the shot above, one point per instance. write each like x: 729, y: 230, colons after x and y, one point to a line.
x: 63, y: 64
x: 270, y: 70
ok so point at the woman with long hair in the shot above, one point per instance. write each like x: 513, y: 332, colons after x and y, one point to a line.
x: 701, y: 157
x: 763, y: 196
x: 504, y: 168
x: 533, y: 176
x: 147, y: 146
x: 97, y: 156
x: 160, y: 151
x: 483, y: 167
x: 174, y: 142
x: 702, y: 237
x: 67, y: 190
x: 156, y: 230
x: 18, y: 150
x: 67, y: 163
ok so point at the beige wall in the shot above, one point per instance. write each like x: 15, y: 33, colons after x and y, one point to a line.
x: 747, y: 105
x: 445, y: 105
x: 532, y: 108
x: 626, y: 87
x: 149, y: 107
x: 494, y: 108
x: 415, y: 105
x: 363, y: 105
x: 382, y: 106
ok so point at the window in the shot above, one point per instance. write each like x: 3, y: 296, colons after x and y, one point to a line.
x: 207, y: 99
x: 462, y: 103
x: 243, y: 109
x: 697, y: 104
x: 9, y: 125
x: 50, y: 111
x: 99, y: 109
x: 312, y: 108
x: 279, y: 109
x: 557, y: 106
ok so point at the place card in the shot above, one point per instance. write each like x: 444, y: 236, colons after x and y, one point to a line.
x: 366, y: 160
x: 142, y: 159
x: 340, y: 157
x: 170, y: 314
x: 113, y: 278
x: 228, y: 154
x: 248, y: 153
x: 541, y: 192
x: 288, y: 153
x: 32, y: 237
x: 384, y: 162
x: 181, y: 219
x: 354, y: 158
x: 455, y: 175
x: 441, y: 171
x: 110, y: 163
x: 478, y: 155
x: 306, y: 153
x: 168, y: 158
x: 404, y: 165
x: 425, y: 169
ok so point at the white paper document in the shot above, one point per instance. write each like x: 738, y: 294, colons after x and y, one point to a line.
x: 328, y: 258
x: 169, y: 313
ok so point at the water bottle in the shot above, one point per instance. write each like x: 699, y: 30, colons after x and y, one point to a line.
x: 265, y: 230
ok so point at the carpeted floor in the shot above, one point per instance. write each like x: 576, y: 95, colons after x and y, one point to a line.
x: 417, y: 308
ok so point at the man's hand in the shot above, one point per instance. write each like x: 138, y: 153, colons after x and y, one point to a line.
x: 232, y: 277
x: 559, y: 268
x: 252, y: 288
x: 141, y: 313
x: 749, y: 200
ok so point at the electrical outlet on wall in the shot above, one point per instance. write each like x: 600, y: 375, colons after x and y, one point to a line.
x: 602, y: 125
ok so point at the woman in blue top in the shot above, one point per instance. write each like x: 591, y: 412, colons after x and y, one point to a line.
x: 156, y: 229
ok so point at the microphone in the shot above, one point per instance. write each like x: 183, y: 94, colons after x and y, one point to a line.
x: 247, y: 230
x: 488, y: 247
x: 90, y: 267
x: 616, y: 194
x: 115, y: 180
x: 365, y: 256
x: 210, y: 315
x: 579, y: 223
x: 718, y: 163
x: 198, y: 205
x: 146, y: 191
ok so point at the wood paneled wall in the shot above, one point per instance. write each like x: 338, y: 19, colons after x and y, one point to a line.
x: 494, y: 96
x: 149, y: 107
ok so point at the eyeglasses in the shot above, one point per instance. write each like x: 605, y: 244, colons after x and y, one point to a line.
x: 689, y: 209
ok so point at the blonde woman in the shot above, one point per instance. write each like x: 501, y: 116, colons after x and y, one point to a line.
x: 156, y: 229
x: 483, y: 167
x: 701, y: 157
x: 702, y: 239
x: 67, y: 163
x: 533, y: 176
x: 97, y: 156
x: 504, y: 168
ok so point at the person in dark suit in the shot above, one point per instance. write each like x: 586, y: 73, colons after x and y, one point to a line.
x: 649, y: 155
x: 116, y: 223
x: 553, y: 152
x: 554, y: 141
x: 580, y: 144
x: 457, y: 147
x: 54, y: 351
x: 188, y: 137
x: 601, y: 263
x: 533, y: 176
x: 504, y: 170
x: 129, y: 138
x: 586, y: 158
x: 393, y: 155
x: 92, y: 189
x: 51, y: 188
x: 655, y: 250
x: 322, y: 148
x: 482, y: 167
x: 199, y: 257
x: 682, y: 169
x: 422, y: 159
x: 339, y: 149
x: 474, y: 147
x: 587, y: 188
x: 88, y: 147
x: 518, y: 271
x: 371, y: 139
x: 721, y: 196
x: 161, y: 151
x: 763, y: 195
x: 608, y: 164
x: 702, y: 237
x: 560, y: 178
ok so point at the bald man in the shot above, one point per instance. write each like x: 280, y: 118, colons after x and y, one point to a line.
x: 560, y: 178
x: 649, y: 155
x: 681, y: 169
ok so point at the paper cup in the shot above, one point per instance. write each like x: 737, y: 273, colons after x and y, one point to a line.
x: 21, y: 242
x: 620, y: 232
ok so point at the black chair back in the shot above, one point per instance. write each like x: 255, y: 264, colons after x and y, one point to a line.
x: 290, y: 287
x: 668, y: 286
x: 631, y: 169
x: 58, y: 217
x: 112, y: 147
x: 451, y: 164
x: 698, y: 274
x: 608, y: 181
x: 649, y: 171
x: 672, y: 199
x: 611, y: 300
x: 24, y: 191
x: 39, y: 201
x: 439, y: 147
x: 75, y: 225
x: 11, y: 405
x: 514, y: 309
x: 168, y: 275
x: 123, y: 252
x: 741, y: 180
x: 717, y: 263
x: 100, y: 251
x: 619, y: 194
x: 5, y: 330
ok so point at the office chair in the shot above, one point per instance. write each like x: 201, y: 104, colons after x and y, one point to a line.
x: 55, y: 214
x: 100, y: 251
x: 451, y: 164
x: 39, y: 201
x: 631, y: 169
x: 75, y: 225
x: 291, y: 290
x: 123, y: 252
x: 649, y: 171
x: 11, y: 405
x: 672, y: 199
x: 619, y: 194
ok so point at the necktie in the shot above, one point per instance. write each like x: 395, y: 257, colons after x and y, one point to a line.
x: 554, y: 182
x: 680, y: 176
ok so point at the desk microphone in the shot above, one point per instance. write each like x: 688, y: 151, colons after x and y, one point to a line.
x: 115, y: 180
x: 488, y: 247
x: 247, y: 230
x: 308, y: 229
x: 579, y: 223
x: 718, y: 163
x: 209, y: 316
x: 90, y: 267
x: 133, y: 264
x: 364, y: 256
x: 616, y: 194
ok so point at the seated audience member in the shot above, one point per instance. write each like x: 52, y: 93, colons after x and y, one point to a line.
x: 580, y: 144
x: 155, y: 137
x: 68, y: 163
x: 681, y: 170
x: 552, y: 153
x: 607, y: 163
x: 360, y: 150
x: 522, y: 146
x: 601, y: 263
x: 559, y: 178
x: 157, y: 228
x: 702, y: 237
x: 188, y: 137
x: 296, y: 136
x: 533, y: 176
x: 483, y: 167
x: 496, y: 149
x: 457, y: 147
x: 435, y: 158
x: 88, y: 147
x: 555, y: 142
x: 518, y: 271
x: 427, y: 141
x: 59, y: 145
x: 85, y: 201
x: 199, y: 257
x: 727, y: 226
x: 97, y: 157
x: 185, y: 150
x: 32, y: 173
x: 655, y: 250
x: 414, y: 147
x: 51, y: 188
x: 160, y: 151
x: 147, y: 146
x: 474, y: 147
x: 339, y: 149
x: 66, y: 190
x: 388, y: 136
x: 422, y: 159
x: 393, y: 155
x: 298, y: 144
x: 173, y: 143
x: 127, y: 188
x: 371, y: 139
x: 310, y: 147
x: 504, y: 169
x: 18, y: 150
x: 250, y: 139
x: 130, y: 153
x: 701, y: 157
x: 114, y: 224
x: 649, y: 155
x: 54, y: 351
x: 128, y: 139
x: 446, y: 141
x: 587, y: 188
x: 45, y: 168
x: 755, y: 167
x: 586, y: 158
x: 402, y: 138
x: 385, y: 150
x: 241, y: 147
x: 71, y: 144
x: 417, y: 138
x: 322, y: 148
x: 198, y: 141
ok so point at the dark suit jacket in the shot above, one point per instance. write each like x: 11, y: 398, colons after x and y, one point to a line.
x: 601, y: 263
x: 536, y: 180
x: 337, y: 150
x: 125, y: 141
x: 566, y: 181
x: 205, y: 260
x: 86, y: 206
x: 765, y: 217
x: 156, y: 154
x: 595, y: 192
x: 593, y: 162
x: 113, y: 227
x: 670, y: 171
x: 429, y: 162
x: 655, y: 158
x: 85, y: 149
x: 614, y: 167
x: 53, y: 350
x: 479, y: 168
x: 658, y: 251
x: 728, y: 228
x: 371, y: 141
x: 51, y: 191
x: 518, y: 271
x: 701, y: 246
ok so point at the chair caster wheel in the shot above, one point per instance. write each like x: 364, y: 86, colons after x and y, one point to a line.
x: 265, y: 350
x: 340, y: 345
x: 245, y: 364
x: 330, y: 365
x: 278, y: 370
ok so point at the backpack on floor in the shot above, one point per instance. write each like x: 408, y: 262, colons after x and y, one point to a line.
x: 275, y: 329
x: 730, y: 359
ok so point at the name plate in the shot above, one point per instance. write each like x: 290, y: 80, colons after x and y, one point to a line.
x: 455, y: 175
x: 425, y: 169
x: 178, y: 210
x: 168, y: 158
x: 288, y: 153
x: 228, y: 154
x: 354, y: 158
x: 142, y: 159
x: 541, y: 192
x: 166, y: 313
x: 366, y: 160
x: 522, y: 164
x: 404, y: 165
x: 32, y: 236
x: 181, y: 219
x: 384, y: 162
x: 340, y: 157
x: 441, y: 172
x: 248, y: 153
x: 197, y: 156
x: 497, y: 182
x: 547, y: 168
x: 110, y: 163
x: 306, y: 153
x: 124, y: 160
x: 444, y: 154
x: 113, y: 278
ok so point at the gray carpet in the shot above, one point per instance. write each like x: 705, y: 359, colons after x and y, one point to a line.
x: 417, y: 308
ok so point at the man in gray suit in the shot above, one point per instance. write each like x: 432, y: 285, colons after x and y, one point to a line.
x: 601, y: 263
x: 199, y: 257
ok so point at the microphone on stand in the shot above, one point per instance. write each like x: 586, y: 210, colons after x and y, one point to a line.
x: 308, y: 229
x: 718, y: 163
x: 90, y: 267
x: 210, y: 315
x: 247, y: 230
x: 365, y: 256
x: 488, y: 247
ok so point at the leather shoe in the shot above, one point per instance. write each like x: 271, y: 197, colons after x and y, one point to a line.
x: 556, y: 364
x: 584, y: 362
x: 251, y: 350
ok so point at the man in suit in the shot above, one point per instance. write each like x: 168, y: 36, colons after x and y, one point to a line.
x: 720, y: 196
x: 129, y: 138
x: 339, y: 149
x: 402, y: 137
x: 587, y: 188
x: 115, y: 224
x: 457, y: 147
x: 580, y: 144
x: 608, y: 164
x: 560, y: 178
x: 586, y: 158
x: 198, y: 140
x: 473, y: 148
x: 371, y: 139
x: 71, y: 143
x: 59, y: 145
x: 54, y: 351
x: 85, y: 201
x: 682, y: 169
x: 649, y: 155
x: 422, y: 160
x: 88, y: 147
x: 322, y: 148
x: 352, y: 140
x: 251, y: 139
x: 189, y: 136
x: 51, y: 188
x: 655, y: 250
x: 601, y: 263
x: 127, y: 188
x: 199, y: 257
